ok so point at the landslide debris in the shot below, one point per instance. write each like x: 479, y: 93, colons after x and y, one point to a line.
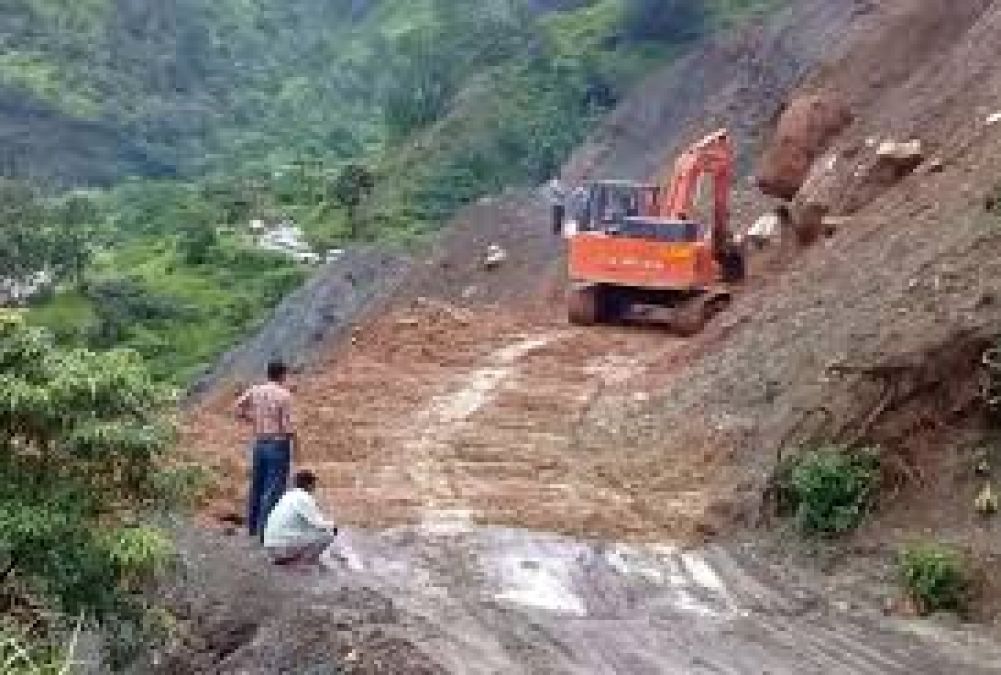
x: 804, y: 131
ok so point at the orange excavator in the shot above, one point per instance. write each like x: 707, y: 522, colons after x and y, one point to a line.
x: 637, y: 253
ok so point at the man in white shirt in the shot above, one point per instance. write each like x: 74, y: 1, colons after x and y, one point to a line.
x: 296, y: 531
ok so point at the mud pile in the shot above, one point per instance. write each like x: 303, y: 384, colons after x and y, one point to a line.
x: 914, y: 263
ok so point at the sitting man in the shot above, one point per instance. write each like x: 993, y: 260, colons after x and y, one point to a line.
x: 296, y: 531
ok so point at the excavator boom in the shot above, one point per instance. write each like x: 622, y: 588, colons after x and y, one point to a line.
x: 711, y: 156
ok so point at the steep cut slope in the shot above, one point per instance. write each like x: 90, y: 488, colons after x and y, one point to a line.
x: 740, y: 81
x: 911, y: 273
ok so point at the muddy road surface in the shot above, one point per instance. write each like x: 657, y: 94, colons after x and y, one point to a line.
x: 514, y: 601
x: 468, y: 452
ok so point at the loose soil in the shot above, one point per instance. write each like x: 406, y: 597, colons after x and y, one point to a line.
x: 469, y: 413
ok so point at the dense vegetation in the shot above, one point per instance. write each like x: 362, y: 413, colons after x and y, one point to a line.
x: 82, y: 442
x: 355, y: 119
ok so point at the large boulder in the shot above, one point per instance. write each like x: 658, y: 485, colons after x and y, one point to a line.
x: 805, y: 130
x: 819, y: 195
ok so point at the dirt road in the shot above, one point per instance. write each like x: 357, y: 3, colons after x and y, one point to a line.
x: 462, y: 444
x: 434, y: 409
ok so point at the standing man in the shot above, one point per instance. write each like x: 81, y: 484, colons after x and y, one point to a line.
x: 579, y: 216
x: 268, y: 408
x: 557, y: 196
x: 297, y: 532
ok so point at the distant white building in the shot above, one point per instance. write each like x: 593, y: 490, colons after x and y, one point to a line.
x: 15, y: 292
x: 285, y: 238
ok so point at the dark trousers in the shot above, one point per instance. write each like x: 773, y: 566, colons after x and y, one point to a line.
x: 559, y: 216
x: 271, y: 465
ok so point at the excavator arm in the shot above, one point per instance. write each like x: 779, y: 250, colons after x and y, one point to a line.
x: 712, y: 155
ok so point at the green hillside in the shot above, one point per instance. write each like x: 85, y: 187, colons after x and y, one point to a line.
x: 195, y: 114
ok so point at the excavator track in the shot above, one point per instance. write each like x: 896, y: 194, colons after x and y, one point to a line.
x: 692, y: 316
x: 584, y: 305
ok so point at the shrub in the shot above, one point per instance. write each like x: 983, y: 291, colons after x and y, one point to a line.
x: 830, y: 490
x: 934, y: 577
x: 81, y: 437
x: 19, y: 655
x: 122, y: 305
x: 182, y: 487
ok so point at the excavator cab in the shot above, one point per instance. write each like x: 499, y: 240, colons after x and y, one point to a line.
x: 610, y: 204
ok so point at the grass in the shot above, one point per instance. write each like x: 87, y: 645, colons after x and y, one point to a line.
x: 219, y: 303
x: 935, y: 577
x: 68, y: 314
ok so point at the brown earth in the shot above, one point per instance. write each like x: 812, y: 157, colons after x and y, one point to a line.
x: 483, y: 401
x: 542, y: 419
x: 910, y: 270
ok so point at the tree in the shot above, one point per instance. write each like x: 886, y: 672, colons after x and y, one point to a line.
x: 420, y: 86
x: 665, y: 20
x: 350, y: 189
x: 122, y: 306
x: 25, y: 246
x: 196, y: 227
x: 81, y: 437
x: 76, y: 224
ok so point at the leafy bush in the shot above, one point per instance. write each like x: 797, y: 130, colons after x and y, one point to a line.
x: 19, y: 655
x: 182, y: 487
x: 81, y: 438
x: 830, y: 490
x: 123, y: 305
x: 934, y: 577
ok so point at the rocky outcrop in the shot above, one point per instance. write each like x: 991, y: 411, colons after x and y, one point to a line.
x: 805, y: 130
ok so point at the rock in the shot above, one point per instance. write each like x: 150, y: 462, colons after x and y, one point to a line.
x: 903, y: 156
x: 765, y: 228
x: 993, y: 118
x: 933, y: 165
x: 496, y: 256
x: 986, y: 502
x: 815, y: 199
x: 894, y: 161
x: 804, y: 132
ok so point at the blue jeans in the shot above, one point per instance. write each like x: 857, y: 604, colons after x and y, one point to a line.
x: 268, y: 479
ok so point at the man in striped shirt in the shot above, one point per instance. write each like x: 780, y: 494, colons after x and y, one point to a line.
x: 268, y: 408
